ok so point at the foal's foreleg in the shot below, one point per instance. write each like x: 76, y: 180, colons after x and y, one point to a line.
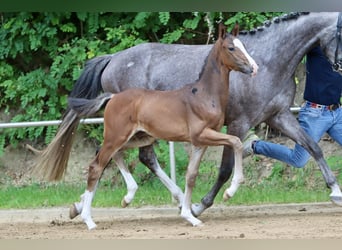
x: 237, y: 176
x: 191, y: 174
x: 225, y: 171
x: 212, y: 137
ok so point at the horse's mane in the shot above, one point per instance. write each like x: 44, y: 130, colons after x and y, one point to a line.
x: 267, y: 23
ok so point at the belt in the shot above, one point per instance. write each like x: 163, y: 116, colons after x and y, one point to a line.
x: 320, y: 106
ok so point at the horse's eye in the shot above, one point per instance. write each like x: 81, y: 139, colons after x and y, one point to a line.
x: 231, y: 48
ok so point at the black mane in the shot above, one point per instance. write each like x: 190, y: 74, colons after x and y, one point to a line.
x: 267, y: 23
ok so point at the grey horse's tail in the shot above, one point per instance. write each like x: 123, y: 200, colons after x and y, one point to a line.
x: 53, y: 160
x: 85, y: 107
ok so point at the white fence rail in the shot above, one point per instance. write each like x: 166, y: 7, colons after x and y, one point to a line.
x: 83, y: 121
x: 46, y: 123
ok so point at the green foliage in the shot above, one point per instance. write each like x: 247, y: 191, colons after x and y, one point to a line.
x: 250, y: 20
x: 164, y: 17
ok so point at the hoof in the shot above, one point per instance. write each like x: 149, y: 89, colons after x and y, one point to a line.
x: 196, y: 210
x: 124, y: 203
x: 91, y: 225
x: 73, y: 211
x: 199, y: 225
x: 337, y: 200
x: 226, y: 196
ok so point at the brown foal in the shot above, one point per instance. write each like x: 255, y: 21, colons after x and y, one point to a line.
x: 194, y: 114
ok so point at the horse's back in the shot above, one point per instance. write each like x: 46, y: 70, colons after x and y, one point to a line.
x: 144, y: 65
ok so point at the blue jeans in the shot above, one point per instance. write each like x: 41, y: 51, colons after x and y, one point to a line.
x: 315, y: 122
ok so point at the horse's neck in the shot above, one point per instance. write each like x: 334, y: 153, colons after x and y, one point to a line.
x: 283, y: 45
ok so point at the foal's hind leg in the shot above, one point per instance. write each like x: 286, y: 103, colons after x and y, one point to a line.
x: 84, y: 206
x: 132, y: 186
x: 95, y: 171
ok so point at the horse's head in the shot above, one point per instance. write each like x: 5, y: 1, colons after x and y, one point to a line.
x: 233, y: 53
x: 332, y: 44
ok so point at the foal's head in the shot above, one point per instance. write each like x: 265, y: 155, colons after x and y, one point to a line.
x: 232, y: 52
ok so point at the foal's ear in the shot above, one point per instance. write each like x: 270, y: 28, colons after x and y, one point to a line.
x: 235, y: 30
x: 222, y: 31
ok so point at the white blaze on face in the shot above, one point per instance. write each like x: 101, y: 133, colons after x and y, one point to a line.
x: 239, y: 44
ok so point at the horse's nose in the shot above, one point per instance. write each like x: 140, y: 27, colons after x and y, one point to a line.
x: 254, y: 69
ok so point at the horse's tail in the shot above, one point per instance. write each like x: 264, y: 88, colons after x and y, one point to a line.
x: 88, y: 85
x: 53, y: 160
x: 85, y: 107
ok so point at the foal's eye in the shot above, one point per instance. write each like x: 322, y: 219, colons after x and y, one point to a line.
x: 231, y: 48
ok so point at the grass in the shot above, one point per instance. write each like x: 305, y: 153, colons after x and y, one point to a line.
x: 284, y: 185
x: 35, y: 196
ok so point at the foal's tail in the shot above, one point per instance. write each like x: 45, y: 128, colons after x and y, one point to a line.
x: 53, y: 160
x: 86, y: 107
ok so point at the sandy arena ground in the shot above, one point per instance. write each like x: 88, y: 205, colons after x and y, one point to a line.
x: 290, y: 221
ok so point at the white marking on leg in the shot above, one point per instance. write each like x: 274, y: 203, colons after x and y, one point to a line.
x: 238, y: 173
x: 76, y: 208
x: 79, y: 206
x: 336, y: 195
x: 192, y: 172
x: 336, y: 191
x: 131, y: 185
x: 176, y: 192
x: 186, y: 209
x: 86, y: 212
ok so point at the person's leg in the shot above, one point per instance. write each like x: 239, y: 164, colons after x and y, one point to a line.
x: 336, y: 130
x: 315, y: 125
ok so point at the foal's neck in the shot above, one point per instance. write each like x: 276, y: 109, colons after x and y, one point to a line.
x: 215, y: 77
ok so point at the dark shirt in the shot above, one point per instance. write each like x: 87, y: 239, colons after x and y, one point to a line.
x: 323, y: 85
